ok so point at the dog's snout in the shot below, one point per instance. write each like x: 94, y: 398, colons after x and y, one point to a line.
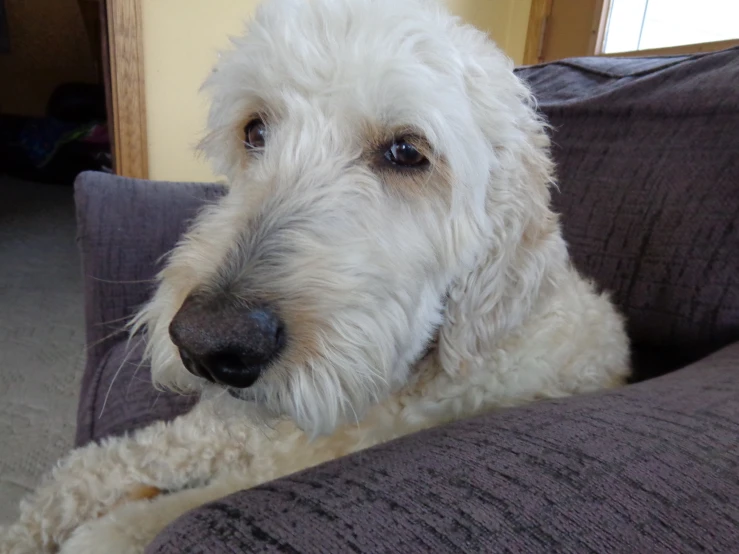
x: 225, y: 340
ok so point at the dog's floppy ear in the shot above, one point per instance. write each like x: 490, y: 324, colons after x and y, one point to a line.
x: 523, y: 250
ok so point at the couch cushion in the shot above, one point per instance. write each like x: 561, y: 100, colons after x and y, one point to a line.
x: 124, y: 227
x: 650, y: 468
x: 648, y: 167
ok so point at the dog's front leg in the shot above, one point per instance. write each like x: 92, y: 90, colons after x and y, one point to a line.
x: 280, y: 450
x: 94, y: 479
x: 130, y: 528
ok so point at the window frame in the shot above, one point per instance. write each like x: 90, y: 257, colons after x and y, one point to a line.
x: 681, y: 49
x: 545, y: 22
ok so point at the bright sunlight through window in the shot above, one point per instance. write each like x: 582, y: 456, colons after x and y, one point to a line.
x: 645, y: 24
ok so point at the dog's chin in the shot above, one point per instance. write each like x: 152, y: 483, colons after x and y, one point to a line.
x: 261, y: 404
x: 246, y: 395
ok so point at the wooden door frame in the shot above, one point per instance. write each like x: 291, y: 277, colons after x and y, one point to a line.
x: 123, y: 60
x: 600, y: 24
x: 538, y: 15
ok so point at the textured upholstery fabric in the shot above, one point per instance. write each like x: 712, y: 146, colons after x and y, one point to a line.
x: 124, y: 227
x: 651, y: 468
x: 646, y: 154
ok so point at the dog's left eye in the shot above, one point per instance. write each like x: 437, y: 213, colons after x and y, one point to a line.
x: 255, y: 134
x: 403, y: 153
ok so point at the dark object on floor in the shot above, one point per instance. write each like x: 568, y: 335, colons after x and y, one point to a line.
x: 71, y: 138
x: 77, y: 103
x: 649, y: 179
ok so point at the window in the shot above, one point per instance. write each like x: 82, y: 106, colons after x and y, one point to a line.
x: 634, y: 25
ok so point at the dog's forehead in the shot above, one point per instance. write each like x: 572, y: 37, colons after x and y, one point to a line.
x: 344, y: 51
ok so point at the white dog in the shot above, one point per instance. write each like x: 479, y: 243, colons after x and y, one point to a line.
x: 385, y: 260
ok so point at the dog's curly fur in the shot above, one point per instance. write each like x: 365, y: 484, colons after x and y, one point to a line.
x: 412, y: 297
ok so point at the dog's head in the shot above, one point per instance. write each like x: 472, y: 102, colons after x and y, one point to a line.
x: 388, y: 185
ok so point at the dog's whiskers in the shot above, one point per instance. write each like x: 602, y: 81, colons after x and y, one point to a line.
x: 122, y: 282
x: 113, y: 380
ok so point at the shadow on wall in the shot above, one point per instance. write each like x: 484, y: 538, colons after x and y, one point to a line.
x: 4, y: 38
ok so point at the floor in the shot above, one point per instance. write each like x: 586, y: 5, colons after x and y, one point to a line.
x: 41, y: 334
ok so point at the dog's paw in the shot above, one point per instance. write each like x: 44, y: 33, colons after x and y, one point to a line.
x: 13, y: 541
x: 104, y: 535
x: 129, y: 528
x: 52, y: 518
x: 100, y: 536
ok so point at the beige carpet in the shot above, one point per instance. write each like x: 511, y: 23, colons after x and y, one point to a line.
x: 41, y: 334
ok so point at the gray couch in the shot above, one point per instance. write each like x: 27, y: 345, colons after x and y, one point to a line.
x: 648, y: 158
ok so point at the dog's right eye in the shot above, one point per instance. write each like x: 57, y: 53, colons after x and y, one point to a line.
x: 255, y: 134
x: 404, y: 154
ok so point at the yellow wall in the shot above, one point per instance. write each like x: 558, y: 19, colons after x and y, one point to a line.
x: 48, y: 47
x: 181, y: 38
x: 505, y: 21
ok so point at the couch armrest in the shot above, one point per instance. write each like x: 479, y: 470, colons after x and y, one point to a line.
x: 124, y: 227
x: 646, y: 468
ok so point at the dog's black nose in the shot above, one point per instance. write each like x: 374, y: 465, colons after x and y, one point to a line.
x: 226, y: 341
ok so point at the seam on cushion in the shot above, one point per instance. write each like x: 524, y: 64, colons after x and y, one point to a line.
x: 615, y: 75
x: 669, y: 61
x: 586, y: 68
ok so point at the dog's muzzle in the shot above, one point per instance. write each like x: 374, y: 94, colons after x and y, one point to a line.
x: 225, y: 340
